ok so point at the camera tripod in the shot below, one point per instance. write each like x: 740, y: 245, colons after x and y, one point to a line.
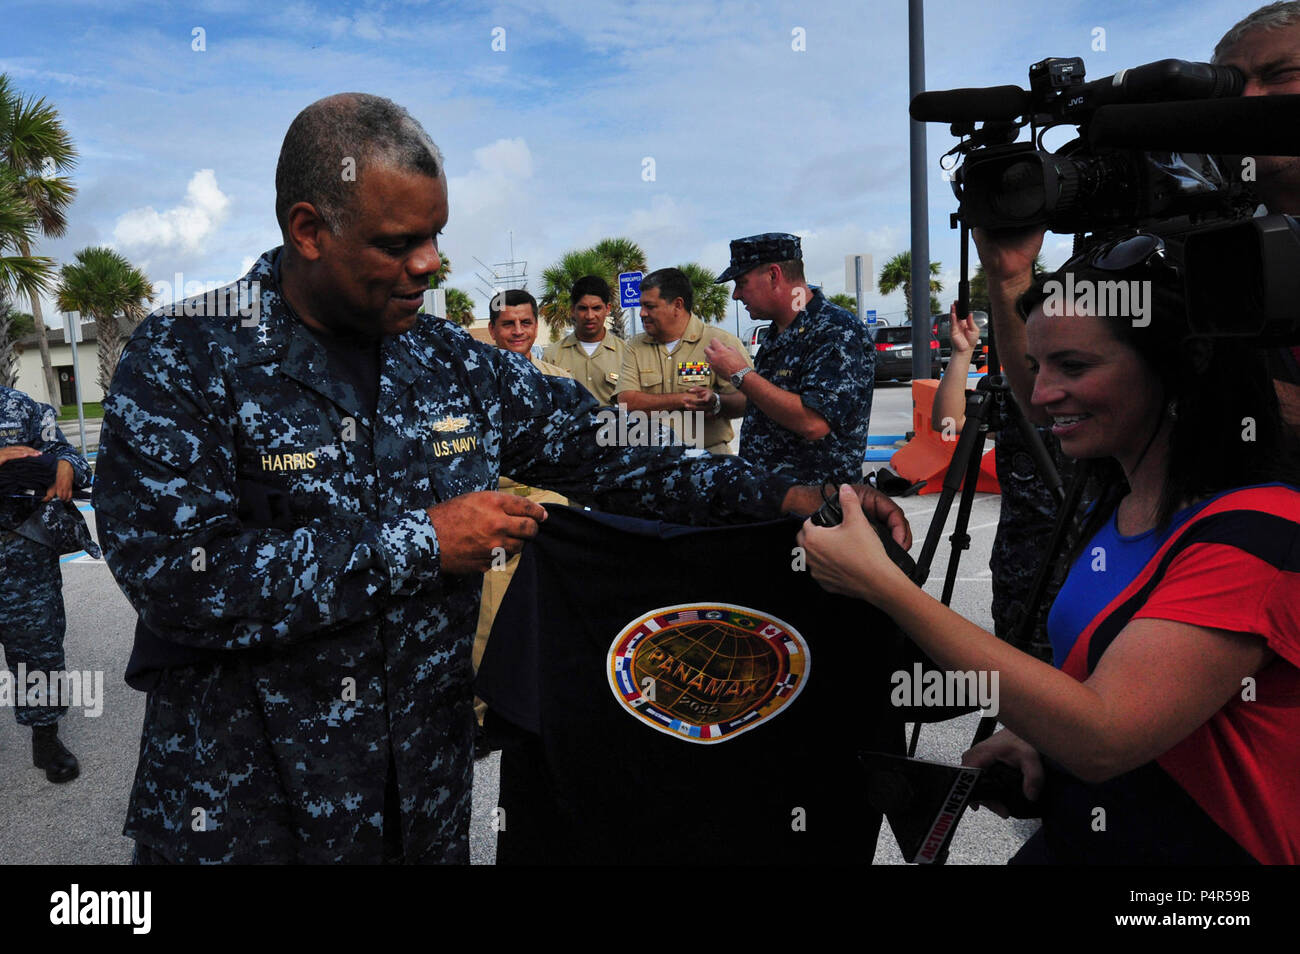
x: 991, y: 407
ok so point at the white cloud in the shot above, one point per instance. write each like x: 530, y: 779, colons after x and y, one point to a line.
x: 509, y: 158
x: 824, y: 250
x: 716, y: 255
x: 1056, y: 250
x: 748, y: 134
x: 17, y: 71
x: 495, y: 181
x: 185, y: 226
x: 663, y: 215
x: 488, y: 203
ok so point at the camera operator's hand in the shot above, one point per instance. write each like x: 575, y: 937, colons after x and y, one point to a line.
x: 1007, y: 747
x: 850, y: 559
x: 963, y: 332
x: 1008, y: 259
x: 1008, y: 254
x: 883, y: 512
x: 470, y: 527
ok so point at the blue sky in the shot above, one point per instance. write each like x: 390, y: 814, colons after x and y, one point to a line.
x: 546, y: 139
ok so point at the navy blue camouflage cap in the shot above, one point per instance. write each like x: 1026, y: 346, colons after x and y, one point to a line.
x: 755, y: 250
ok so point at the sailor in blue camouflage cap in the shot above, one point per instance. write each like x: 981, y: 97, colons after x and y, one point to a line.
x: 809, y: 393
x: 297, y: 496
x: 39, y: 471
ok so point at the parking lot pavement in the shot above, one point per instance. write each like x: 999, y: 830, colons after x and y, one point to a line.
x: 79, y: 822
x: 982, y: 837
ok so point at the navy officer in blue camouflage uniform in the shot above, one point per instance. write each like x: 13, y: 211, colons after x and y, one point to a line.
x: 809, y: 392
x: 300, y: 504
x: 32, y: 621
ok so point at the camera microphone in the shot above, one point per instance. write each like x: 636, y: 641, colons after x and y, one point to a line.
x: 970, y: 105
x: 1241, y: 126
x: 1059, y: 95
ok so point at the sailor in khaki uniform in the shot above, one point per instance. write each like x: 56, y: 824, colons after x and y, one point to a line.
x: 665, y: 368
x: 592, y: 355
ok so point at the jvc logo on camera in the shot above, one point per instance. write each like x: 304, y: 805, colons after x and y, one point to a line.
x: 1101, y: 299
x: 75, y: 907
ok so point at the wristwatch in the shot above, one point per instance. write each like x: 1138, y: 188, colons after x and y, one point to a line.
x: 739, y: 376
x: 716, y: 408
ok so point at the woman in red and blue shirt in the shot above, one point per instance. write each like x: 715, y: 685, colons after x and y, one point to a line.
x: 1168, y: 730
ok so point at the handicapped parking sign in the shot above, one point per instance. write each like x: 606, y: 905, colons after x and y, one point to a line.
x: 629, y: 289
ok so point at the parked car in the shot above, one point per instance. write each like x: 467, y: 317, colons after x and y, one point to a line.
x: 757, y: 335
x: 894, y: 354
x: 942, y: 327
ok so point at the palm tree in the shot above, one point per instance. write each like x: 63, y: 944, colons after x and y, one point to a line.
x: 103, y: 284
x: 440, y: 276
x: 710, y: 299
x: 846, y: 301
x: 619, y: 255
x: 897, y: 273
x: 460, y: 307
x: 36, y: 150
x: 607, y: 258
x: 979, y: 286
x: 22, y: 273
x: 13, y: 325
x: 8, y: 339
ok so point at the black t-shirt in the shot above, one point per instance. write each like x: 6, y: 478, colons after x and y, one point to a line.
x: 358, y: 358
x: 19, y: 476
x: 684, y: 696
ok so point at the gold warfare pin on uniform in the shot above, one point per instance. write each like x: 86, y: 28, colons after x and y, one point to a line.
x: 449, y: 423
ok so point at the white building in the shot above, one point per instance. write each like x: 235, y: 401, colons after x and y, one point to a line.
x: 31, y: 380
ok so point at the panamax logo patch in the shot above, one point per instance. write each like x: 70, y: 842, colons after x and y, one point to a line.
x: 706, y: 672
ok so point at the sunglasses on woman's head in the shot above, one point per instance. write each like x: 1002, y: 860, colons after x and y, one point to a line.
x: 1142, y: 250
x: 1120, y: 255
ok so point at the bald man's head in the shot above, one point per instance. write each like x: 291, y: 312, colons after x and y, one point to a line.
x: 331, y: 144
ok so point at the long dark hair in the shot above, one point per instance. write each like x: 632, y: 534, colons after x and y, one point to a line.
x: 1227, y: 430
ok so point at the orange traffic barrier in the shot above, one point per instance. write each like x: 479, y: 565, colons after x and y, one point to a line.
x: 927, y: 455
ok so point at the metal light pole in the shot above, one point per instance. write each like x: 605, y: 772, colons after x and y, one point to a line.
x: 859, y: 288
x: 920, y: 199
